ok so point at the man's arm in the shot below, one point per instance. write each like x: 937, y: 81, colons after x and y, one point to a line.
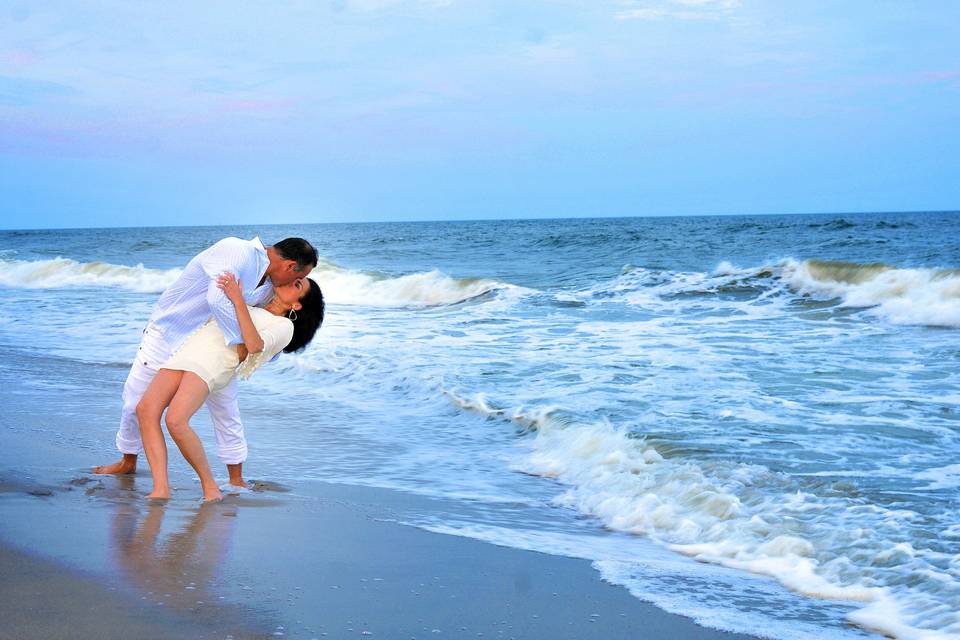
x: 224, y: 313
x: 226, y: 256
x: 231, y: 287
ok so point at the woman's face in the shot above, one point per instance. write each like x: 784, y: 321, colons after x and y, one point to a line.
x: 290, y: 294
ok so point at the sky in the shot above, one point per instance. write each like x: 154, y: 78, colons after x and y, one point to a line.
x: 116, y: 113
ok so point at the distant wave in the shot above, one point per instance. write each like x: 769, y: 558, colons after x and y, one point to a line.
x: 918, y: 296
x: 903, y: 296
x: 423, y: 289
x: 64, y: 273
x: 837, y: 224
x: 340, y: 286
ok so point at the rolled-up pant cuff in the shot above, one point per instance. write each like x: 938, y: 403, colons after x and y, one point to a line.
x: 129, y: 446
x: 234, y: 455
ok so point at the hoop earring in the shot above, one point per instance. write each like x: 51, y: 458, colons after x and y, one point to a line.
x: 292, y: 315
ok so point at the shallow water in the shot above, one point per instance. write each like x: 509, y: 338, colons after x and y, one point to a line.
x: 773, y: 395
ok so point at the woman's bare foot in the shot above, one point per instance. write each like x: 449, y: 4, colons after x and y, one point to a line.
x: 127, y: 464
x: 159, y: 495
x: 212, y: 496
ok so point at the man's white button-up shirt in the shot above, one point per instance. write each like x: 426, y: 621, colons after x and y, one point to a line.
x: 190, y: 301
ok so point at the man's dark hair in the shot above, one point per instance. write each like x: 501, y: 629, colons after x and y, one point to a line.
x: 297, y: 249
x: 308, y: 318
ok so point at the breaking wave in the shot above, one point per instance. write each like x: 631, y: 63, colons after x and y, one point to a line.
x: 921, y: 296
x: 424, y: 289
x: 64, y: 273
x: 915, y: 296
x: 340, y: 286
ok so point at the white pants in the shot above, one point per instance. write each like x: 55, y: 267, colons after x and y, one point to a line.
x: 222, y: 404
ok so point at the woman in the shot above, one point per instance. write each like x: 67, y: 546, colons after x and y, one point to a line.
x: 206, y: 363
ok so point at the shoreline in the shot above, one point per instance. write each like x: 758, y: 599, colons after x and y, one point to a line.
x: 269, y: 564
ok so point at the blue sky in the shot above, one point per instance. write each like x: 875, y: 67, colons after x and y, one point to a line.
x: 168, y: 113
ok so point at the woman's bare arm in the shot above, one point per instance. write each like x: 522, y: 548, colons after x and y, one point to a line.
x: 232, y: 289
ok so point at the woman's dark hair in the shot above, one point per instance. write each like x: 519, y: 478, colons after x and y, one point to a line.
x: 309, y: 318
x: 297, y: 249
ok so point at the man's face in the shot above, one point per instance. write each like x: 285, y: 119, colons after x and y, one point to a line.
x: 287, y: 273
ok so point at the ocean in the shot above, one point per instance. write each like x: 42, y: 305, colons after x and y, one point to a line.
x: 750, y: 421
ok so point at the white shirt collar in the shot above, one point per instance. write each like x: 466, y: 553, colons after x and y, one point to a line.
x: 264, y: 260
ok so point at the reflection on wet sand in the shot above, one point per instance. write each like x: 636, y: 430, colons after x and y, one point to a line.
x: 174, y: 557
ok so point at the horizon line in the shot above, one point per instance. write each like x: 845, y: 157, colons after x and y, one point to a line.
x: 466, y: 220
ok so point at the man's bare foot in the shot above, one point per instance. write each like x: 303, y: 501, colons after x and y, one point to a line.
x: 159, y: 495
x: 212, y: 496
x: 127, y: 464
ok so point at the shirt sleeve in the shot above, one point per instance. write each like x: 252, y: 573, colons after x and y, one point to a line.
x: 275, y: 337
x: 224, y: 313
x: 228, y: 255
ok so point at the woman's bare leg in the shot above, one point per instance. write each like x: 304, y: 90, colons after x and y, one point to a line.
x: 155, y: 399
x: 188, y: 399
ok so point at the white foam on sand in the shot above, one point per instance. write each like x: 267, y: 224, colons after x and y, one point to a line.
x: 743, y: 517
x: 670, y: 582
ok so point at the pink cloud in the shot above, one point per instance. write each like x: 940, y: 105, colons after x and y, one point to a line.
x: 18, y: 58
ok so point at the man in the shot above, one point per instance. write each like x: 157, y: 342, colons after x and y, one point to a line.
x: 184, y: 307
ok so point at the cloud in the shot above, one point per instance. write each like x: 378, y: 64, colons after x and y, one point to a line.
x: 678, y: 9
x: 18, y: 58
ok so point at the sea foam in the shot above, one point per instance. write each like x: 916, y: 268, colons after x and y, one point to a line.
x: 340, y: 286
x: 64, y: 272
x: 423, y: 289
x: 915, y: 296
x: 922, y: 296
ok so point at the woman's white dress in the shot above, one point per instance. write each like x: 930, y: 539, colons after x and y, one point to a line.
x: 206, y: 353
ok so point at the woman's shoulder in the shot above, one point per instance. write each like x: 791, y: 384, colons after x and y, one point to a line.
x: 262, y: 316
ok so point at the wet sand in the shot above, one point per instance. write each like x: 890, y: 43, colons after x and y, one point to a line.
x: 317, y: 562
x: 40, y: 599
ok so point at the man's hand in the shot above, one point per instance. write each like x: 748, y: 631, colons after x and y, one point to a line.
x: 242, y: 352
